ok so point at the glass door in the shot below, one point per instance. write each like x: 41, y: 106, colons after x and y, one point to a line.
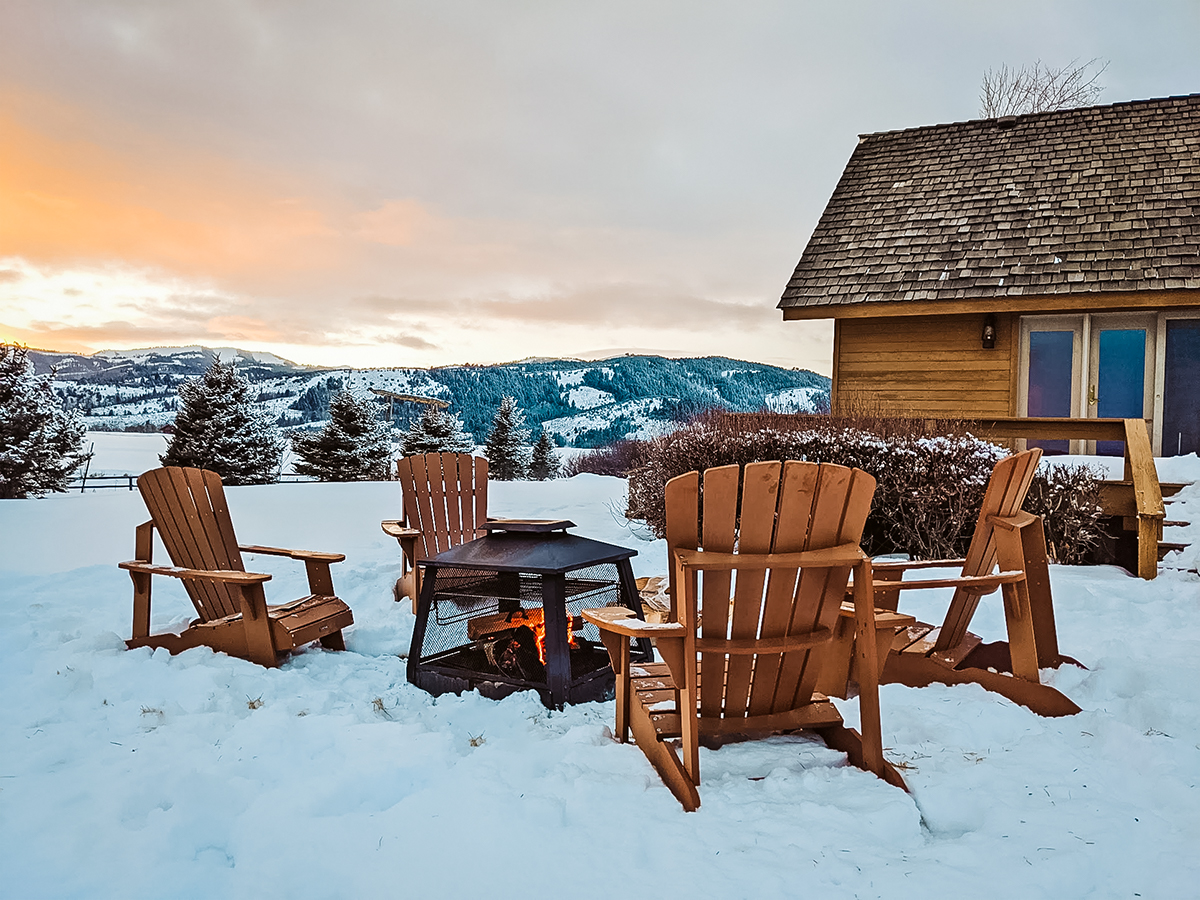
x: 1122, y: 371
x: 1051, y: 356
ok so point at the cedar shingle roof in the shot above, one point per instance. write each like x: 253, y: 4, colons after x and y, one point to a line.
x: 1105, y: 198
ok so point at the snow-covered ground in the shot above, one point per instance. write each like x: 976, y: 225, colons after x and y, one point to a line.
x: 136, y: 774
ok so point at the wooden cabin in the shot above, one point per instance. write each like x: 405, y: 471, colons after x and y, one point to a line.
x: 1040, y: 265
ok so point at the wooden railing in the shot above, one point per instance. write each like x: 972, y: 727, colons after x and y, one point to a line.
x: 1141, y: 477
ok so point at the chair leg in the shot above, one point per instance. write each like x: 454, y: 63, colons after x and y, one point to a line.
x: 334, y: 641
x: 260, y: 648
x: 663, y: 757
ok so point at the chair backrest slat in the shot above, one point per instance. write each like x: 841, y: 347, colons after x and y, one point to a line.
x: 719, y: 531
x: 189, y: 510
x: 783, y: 508
x: 1005, y: 493
x: 797, y: 492
x: 760, y: 498
x: 810, y: 609
x: 445, y: 498
x: 439, y: 494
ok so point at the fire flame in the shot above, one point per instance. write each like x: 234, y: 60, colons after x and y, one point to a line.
x: 538, y: 624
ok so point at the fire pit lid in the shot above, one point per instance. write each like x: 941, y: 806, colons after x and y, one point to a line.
x: 536, y: 553
x: 535, y: 526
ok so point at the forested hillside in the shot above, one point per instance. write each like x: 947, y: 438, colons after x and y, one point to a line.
x: 578, y: 403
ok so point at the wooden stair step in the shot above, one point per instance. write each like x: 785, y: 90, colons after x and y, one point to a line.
x: 1165, y: 547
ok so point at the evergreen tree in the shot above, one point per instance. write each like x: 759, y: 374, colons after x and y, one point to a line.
x: 219, y: 428
x: 507, y: 447
x: 354, y: 446
x: 544, y: 464
x: 437, y: 431
x: 41, y: 443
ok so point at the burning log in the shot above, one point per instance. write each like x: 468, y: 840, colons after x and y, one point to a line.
x: 517, y: 653
x: 482, y: 627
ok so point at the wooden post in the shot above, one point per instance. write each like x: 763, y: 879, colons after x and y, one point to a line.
x: 1041, y: 603
x: 1139, y: 467
x: 868, y: 671
x: 144, y: 552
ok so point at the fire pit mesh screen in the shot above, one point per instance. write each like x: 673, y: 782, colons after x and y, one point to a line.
x: 491, y: 625
x: 473, y: 609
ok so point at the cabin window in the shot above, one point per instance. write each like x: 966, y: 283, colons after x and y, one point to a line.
x: 1114, y: 365
x: 1181, y: 387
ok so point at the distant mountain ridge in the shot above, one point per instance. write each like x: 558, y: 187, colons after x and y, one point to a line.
x: 579, y: 403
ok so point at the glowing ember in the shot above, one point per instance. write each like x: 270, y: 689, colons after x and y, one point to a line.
x: 482, y: 627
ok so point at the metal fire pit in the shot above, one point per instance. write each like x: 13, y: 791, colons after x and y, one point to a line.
x: 483, y: 604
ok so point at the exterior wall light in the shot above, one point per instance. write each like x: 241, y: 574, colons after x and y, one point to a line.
x: 989, y: 332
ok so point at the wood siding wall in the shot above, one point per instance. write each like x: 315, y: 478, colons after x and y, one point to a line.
x: 925, y: 366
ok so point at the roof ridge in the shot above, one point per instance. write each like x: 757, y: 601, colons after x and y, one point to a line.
x: 1050, y: 112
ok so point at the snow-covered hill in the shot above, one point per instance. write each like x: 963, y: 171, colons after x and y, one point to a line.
x: 578, y: 403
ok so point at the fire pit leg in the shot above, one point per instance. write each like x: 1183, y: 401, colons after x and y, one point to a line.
x: 558, y: 654
x: 423, y: 604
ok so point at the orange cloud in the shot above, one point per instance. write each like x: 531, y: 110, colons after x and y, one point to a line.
x: 66, y: 199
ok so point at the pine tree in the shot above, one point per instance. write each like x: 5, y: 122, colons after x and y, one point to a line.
x: 544, y: 464
x: 437, y: 431
x: 354, y: 446
x: 219, y: 428
x: 41, y: 443
x: 507, y: 447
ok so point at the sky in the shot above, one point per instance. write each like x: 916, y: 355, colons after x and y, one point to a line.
x: 415, y: 184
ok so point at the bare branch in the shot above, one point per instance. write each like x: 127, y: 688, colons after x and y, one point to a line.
x: 1038, y: 88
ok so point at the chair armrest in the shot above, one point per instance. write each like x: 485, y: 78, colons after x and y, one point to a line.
x: 621, y: 620
x: 843, y: 555
x: 225, y: 575
x: 315, y: 555
x: 397, y: 529
x: 984, y: 583
x: 884, y: 618
x: 889, y: 567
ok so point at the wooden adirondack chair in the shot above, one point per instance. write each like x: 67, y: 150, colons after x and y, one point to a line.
x: 786, y: 551
x: 1004, y: 535
x: 188, y: 508
x: 445, y: 504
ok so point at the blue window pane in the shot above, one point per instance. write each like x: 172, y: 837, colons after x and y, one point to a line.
x: 1120, y: 380
x: 1050, y: 367
x: 1181, y: 393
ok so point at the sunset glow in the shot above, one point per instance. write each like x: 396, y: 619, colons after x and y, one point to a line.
x: 377, y: 186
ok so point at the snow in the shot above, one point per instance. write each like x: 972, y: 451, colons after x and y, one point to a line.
x: 793, y: 400
x: 585, y: 397
x: 124, y: 453
x: 637, y: 412
x: 136, y: 774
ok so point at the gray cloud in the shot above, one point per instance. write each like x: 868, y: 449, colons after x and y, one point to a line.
x: 576, y: 166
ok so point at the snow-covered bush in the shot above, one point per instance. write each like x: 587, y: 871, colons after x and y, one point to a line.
x: 544, y: 464
x: 353, y: 446
x: 928, y: 491
x: 1068, y: 500
x: 220, y: 428
x: 437, y: 431
x: 618, y: 458
x: 41, y: 443
x: 929, y: 487
x: 507, y: 447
